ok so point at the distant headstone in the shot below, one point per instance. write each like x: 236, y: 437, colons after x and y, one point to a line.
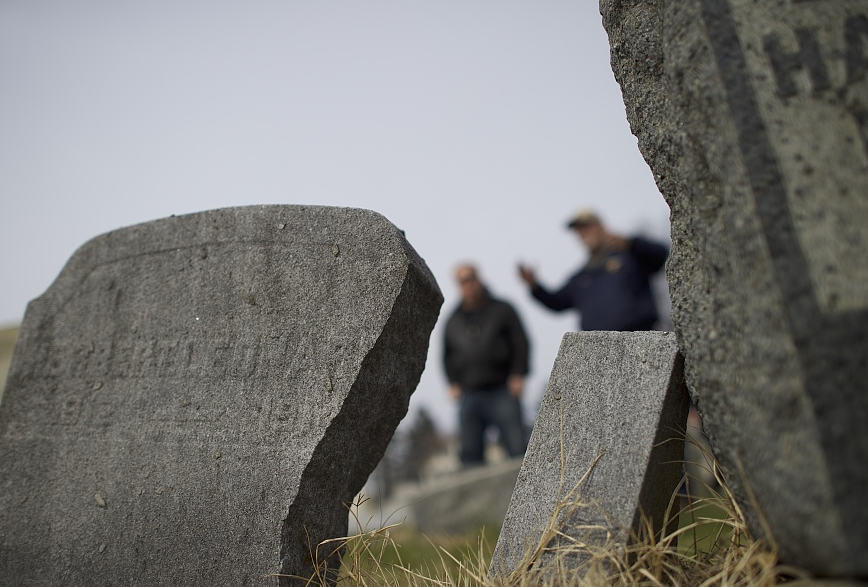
x: 615, y: 409
x: 754, y: 119
x: 460, y: 502
x: 194, y: 399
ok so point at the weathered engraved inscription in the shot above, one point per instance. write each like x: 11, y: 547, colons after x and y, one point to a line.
x: 808, y: 57
x: 193, y: 400
x: 166, y: 359
x: 812, y: 94
x: 797, y: 94
x: 126, y: 352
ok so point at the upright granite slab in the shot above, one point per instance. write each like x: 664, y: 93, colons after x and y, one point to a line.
x: 615, y: 409
x: 754, y: 119
x: 194, y: 399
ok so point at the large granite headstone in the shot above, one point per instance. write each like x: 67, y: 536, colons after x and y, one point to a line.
x: 615, y: 409
x: 754, y: 119
x: 194, y: 399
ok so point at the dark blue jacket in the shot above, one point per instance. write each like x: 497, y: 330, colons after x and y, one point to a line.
x: 612, y: 292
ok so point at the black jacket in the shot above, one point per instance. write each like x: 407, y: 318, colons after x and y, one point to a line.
x: 483, y: 348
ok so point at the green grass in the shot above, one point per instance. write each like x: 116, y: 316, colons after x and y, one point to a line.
x: 420, y: 552
x: 402, y: 556
x: 704, y: 528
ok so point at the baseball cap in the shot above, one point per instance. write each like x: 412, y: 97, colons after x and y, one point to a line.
x: 584, y: 218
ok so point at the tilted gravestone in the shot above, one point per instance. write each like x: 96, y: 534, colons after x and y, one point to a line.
x: 754, y: 119
x: 194, y: 399
x: 615, y: 409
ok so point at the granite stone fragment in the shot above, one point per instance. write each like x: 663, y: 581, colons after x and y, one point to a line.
x: 194, y: 399
x: 614, y: 410
x: 753, y: 117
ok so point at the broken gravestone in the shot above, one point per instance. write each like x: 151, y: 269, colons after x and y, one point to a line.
x: 754, y: 119
x: 194, y: 399
x: 613, y: 414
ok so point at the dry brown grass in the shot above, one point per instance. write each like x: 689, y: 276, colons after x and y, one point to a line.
x: 734, y: 558
x: 728, y: 555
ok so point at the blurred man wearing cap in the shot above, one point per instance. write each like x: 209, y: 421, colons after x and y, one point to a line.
x: 485, y: 354
x: 612, y: 291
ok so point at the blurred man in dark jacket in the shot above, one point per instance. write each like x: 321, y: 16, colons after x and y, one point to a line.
x: 612, y: 291
x: 485, y: 355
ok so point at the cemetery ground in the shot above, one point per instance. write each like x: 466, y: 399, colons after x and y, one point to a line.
x: 710, y: 548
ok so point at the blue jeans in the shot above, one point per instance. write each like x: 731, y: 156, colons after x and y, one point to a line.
x: 480, y: 409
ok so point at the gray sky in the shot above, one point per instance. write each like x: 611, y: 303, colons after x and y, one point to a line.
x: 476, y: 126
